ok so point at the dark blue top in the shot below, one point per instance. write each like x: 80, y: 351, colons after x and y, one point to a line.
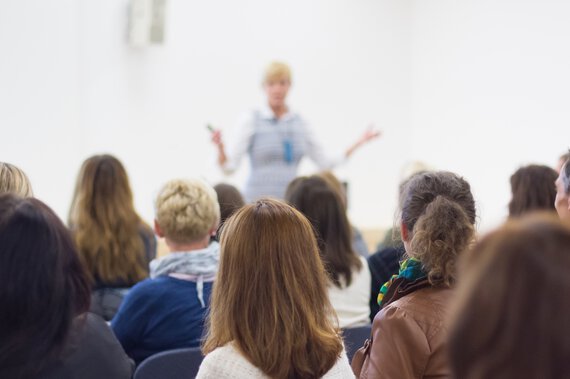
x: 161, y: 314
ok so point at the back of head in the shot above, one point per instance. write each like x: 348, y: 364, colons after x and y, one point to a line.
x: 14, y: 180
x: 269, y: 249
x: 336, y: 185
x: 230, y: 200
x: 187, y: 210
x: 512, y: 307
x: 105, y: 224
x: 532, y: 189
x: 44, y: 286
x: 438, y: 212
x: 323, y: 207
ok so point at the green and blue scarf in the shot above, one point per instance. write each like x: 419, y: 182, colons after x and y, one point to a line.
x: 411, y: 277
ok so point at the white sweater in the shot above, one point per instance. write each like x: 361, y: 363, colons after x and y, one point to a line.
x: 228, y: 362
x: 352, y: 303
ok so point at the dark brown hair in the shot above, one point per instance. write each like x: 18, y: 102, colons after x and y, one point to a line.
x: 532, y: 189
x: 44, y: 286
x: 230, y: 200
x: 270, y: 296
x: 438, y: 211
x: 512, y: 310
x: 323, y: 207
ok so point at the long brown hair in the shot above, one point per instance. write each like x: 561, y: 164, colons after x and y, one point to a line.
x: 511, y: 315
x: 325, y: 210
x: 532, y: 189
x: 105, y: 224
x: 270, y: 296
x: 438, y: 210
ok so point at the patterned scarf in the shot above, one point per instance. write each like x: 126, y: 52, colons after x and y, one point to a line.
x: 411, y: 277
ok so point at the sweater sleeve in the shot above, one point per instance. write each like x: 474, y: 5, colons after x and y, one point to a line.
x: 400, y: 348
x: 239, y: 143
x: 316, y: 152
x: 130, y: 321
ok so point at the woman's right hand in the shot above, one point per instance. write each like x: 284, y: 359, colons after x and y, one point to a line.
x: 217, y: 140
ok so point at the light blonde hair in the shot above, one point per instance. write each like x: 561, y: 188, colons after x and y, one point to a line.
x: 14, y: 180
x: 270, y: 297
x: 105, y: 224
x: 186, y: 210
x: 277, y: 71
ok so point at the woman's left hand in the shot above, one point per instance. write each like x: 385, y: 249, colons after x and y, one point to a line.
x: 369, y: 134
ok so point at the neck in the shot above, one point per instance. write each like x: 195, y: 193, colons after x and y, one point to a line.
x: 278, y: 110
x: 189, y: 246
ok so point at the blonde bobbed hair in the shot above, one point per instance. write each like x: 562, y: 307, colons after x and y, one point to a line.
x: 277, y: 71
x: 14, y: 180
x: 186, y: 210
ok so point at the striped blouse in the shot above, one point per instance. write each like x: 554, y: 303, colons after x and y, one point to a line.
x: 275, y: 148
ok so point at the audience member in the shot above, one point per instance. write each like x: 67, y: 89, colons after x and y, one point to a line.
x: 44, y: 329
x: 270, y: 313
x: 358, y: 243
x: 562, y: 201
x: 513, y: 309
x: 386, y: 261
x: 168, y: 310
x: 14, y: 180
x: 114, y: 244
x: 230, y: 200
x: 532, y: 190
x: 349, y: 277
x: 409, y: 338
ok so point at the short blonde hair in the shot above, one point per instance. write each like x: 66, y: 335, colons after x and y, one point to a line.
x: 186, y: 210
x: 14, y: 180
x: 277, y: 71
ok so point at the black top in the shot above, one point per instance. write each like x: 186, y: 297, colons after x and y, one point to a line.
x: 383, y: 264
x: 92, y: 352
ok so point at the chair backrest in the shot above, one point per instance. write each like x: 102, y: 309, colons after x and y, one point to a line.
x: 178, y: 363
x: 354, y: 338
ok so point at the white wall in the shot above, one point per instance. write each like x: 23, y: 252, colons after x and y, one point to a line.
x: 490, y: 90
x: 477, y: 87
x: 74, y: 88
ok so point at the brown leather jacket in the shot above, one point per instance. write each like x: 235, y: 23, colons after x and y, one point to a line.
x: 410, y: 337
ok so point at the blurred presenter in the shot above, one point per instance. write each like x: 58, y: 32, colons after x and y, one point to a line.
x: 276, y: 140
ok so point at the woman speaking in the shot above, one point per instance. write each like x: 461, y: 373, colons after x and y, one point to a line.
x: 276, y: 139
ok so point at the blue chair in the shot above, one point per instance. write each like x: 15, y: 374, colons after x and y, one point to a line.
x: 171, y: 364
x: 354, y: 338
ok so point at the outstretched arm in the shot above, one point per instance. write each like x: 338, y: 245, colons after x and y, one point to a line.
x: 368, y: 135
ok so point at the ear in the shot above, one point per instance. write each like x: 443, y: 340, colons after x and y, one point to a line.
x: 157, y: 229
x: 404, y: 232
x: 214, y: 229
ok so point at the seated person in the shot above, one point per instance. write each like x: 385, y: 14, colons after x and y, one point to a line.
x: 168, y: 310
x: 114, y: 243
x: 44, y: 328
x: 348, y: 273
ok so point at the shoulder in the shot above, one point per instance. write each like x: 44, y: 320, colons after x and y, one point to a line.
x: 227, y: 362
x: 149, y: 288
x: 92, y: 340
x: 341, y: 369
x: 425, y: 309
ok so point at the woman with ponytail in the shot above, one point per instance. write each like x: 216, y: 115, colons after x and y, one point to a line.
x: 409, y: 333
